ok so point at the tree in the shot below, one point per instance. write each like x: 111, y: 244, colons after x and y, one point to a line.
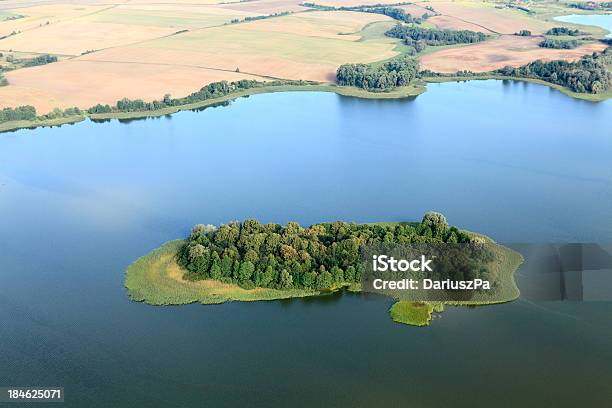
x: 246, y: 271
x: 324, y: 280
x: 436, y: 222
x: 286, y: 279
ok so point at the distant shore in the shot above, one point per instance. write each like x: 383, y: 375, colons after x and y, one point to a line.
x: 409, y: 91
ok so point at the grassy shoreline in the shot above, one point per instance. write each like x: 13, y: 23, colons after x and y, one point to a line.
x: 399, y: 93
x: 157, y: 279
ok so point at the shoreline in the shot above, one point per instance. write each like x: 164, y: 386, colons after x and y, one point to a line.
x: 411, y: 91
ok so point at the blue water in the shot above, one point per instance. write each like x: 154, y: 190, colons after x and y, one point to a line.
x: 516, y: 161
x: 601, y: 20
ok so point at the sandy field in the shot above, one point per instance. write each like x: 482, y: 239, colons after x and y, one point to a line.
x: 503, y: 51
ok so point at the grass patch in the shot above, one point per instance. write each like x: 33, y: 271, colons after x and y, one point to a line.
x: 414, y: 313
x: 157, y: 279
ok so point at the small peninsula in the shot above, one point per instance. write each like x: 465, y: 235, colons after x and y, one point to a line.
x: 251, y: 261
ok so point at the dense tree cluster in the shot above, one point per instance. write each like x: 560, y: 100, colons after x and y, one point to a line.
x: 39, y: 60
x: 523, y: 33
x: 587, y: 75
x: 593, y: 5
x: 396, y: 72
x: 558, y: 44
x: 210, y: 91
x: 563, y: 31
x: 321, y: 256
x: 410, y: 34
x: 26, y: 112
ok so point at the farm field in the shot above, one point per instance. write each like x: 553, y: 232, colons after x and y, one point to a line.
x: 148, y: 48
x: 497, y: 53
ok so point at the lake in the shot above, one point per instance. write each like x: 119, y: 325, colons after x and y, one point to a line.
x: 601, y: 20
x: 519, y: 162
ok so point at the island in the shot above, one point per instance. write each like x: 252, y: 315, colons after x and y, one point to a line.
x: 251, y: 261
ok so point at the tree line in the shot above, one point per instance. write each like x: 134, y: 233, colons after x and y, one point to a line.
x: 587, y: 75
x: 558, y: 44
x: 28, y: 112
x: 210, y: 91
x: 399, y: 71
x: 321, y: 256
x: 411, y: 34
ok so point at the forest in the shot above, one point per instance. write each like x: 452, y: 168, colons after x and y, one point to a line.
x: 587, y: 75
x: 399, y: 71
x: 434, y: 37
x: 321, y: 256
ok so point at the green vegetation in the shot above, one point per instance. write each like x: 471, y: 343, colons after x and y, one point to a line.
x: 158, y: 280
x: 414, y: 313
x: 39, y: 60
x: 211, y: 91
x: 28, y: 113
x: 563, y: 31
x: 250, y: 261
x: 254, y: 18
x: 523, y: 33
x: 321, y: 257
x: 558, y: 44
x: 412, y: 34
x: 400, y: 71
x: 587, y: 75
x: 20, y: 113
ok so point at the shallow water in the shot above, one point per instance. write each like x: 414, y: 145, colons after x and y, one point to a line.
x: 516, y: 161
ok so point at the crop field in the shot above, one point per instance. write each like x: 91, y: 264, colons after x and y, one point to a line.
x: 494, y: 54
x: 71, y: 83
x: 309, y: 46
x: 487, y: 16
x: 147, y: 48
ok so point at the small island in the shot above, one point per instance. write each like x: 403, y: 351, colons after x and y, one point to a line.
x: 251, y: 261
